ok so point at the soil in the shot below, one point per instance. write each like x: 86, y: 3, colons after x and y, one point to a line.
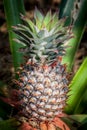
x: 6, y: 63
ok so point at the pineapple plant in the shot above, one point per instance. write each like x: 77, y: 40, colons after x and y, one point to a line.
x: 40, y: 92
x: 17, y: 94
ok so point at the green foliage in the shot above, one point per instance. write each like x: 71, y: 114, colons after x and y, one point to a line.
x: 78, y: 28
x: 10, y: 124
x: 77, y: 102
x: 77, y: 87
x: 40, y: 34
x: 13, y: 8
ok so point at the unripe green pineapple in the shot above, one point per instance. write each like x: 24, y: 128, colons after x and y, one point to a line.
x: 41, y: 90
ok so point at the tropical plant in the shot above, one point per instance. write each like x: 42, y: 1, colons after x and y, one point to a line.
x: 39, y: 97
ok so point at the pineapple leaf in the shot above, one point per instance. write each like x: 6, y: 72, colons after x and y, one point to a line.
x: 30, y: 23
x: 12, y: 11
x: 76, y: 122
x: 38, y: 17
x: 79, y: 117
x: 78, y: 27
x: 77, y: 87
x: 41, y: 34
x: 47, y: 18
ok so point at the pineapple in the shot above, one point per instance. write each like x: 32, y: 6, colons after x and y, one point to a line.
x: 41, y: 90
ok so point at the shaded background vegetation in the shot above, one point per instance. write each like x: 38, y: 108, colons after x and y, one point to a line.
x: 6, y: 65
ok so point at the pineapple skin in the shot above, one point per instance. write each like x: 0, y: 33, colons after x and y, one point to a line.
x: 41, y: 92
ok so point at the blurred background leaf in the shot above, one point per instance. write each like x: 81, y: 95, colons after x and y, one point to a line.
x: 79, y: 19
x: 13, y: 8
x: 10, y: 124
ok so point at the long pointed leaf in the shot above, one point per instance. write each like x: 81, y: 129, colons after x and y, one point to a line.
x: 13, y: 8
x: 78, y: 87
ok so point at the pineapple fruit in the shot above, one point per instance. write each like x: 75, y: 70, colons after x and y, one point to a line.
x: 41, y: 90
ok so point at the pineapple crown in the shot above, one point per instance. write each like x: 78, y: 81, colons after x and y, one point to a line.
x: 45, y: 38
